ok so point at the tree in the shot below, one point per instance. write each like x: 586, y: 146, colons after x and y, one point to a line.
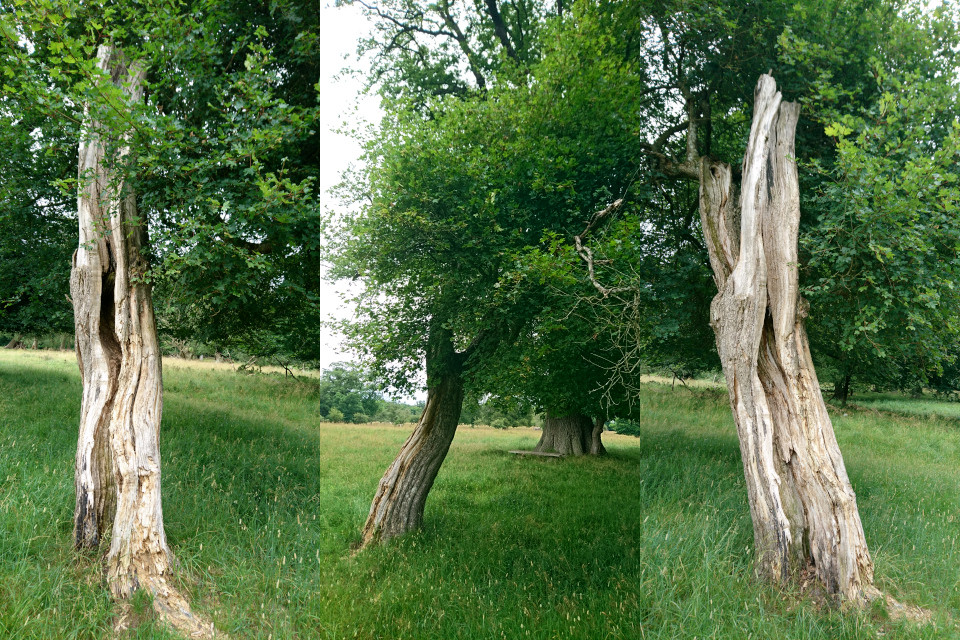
x: 803, y: 506
x: 118, y: 351
x: 452, y: 201
x: 219, y: 158
x: 37, y: 221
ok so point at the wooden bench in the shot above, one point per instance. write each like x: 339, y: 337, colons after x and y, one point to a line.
x: 544, y: 454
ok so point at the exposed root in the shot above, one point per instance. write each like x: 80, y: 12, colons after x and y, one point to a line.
x: 171, y: 609
x: 812, y: 588
x: 909, y: 612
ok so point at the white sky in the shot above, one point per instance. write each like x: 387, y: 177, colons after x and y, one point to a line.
x: 341, y: 103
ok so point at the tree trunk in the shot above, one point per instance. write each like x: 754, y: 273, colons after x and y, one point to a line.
x: 570, y: 435
x: 596, y: 444
x: 803, y: 507
x: 841, y: 390
x: 14, y: 342
x: 118, y: 454
x: 398, y: 505
x: 63, y: 342
x: 34, y: 342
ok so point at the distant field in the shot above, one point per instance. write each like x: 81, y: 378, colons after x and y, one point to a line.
x: 263, y: 503
x: 899, y: 403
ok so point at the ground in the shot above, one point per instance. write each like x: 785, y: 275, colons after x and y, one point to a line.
x: 263, y: 505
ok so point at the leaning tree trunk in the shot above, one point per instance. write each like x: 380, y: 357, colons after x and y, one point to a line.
x: 14, y: 342
x: 118, y: 454
x: 570, y: 435
x: 803, y: 507
x: 398, y: 505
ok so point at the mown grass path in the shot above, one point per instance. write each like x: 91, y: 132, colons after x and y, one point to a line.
x: 263, y: 503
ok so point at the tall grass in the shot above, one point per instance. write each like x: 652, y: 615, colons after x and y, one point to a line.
x: 263, y: 504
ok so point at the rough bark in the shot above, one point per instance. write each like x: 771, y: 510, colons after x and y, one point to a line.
x: 398, y: 505
x: 803, y: 507
x: 570, y: 435
x: 118, y: 454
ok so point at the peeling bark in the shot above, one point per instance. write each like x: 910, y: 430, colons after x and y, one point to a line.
x: 118, y: 454
x: 398, y: 505
x: 803, y: 507
x: 570, y: 435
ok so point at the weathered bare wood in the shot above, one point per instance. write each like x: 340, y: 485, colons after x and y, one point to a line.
x: 118, y: 453
x: 802, y: 504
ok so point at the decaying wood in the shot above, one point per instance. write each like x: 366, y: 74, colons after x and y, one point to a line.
x: 118, y: 454
x: 803, y: 506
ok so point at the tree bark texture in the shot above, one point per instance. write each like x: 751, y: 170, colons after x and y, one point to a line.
x: 118, y: 453
x: 570, y: 435
x: 14, y: 342
x: 398, y: 505
x: 803, y: 507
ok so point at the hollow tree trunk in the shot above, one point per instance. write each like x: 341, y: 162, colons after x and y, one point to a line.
x: 398, y: 505
x: 571, y: 435
x: 803, y: 507
x: 14, y: 342
x: 118, y: 454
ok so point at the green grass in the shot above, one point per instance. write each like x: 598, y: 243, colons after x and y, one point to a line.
x: 262, y: 504
x: 899, y: 403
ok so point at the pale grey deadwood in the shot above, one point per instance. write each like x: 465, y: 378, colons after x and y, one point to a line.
x: 118, y: 453
x: 803, y: 506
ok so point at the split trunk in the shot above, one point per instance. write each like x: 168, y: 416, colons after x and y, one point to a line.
x: 118, y: 453
x: 803, y: 506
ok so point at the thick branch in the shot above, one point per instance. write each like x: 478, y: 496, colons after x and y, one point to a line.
x: 500, y: 29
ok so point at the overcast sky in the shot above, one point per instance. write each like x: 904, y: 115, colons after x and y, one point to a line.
x: 340, y: 102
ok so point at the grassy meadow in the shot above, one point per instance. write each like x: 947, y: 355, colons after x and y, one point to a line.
x: 263, y: 505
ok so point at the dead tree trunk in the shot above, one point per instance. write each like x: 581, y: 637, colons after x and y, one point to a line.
x: 570, y: 435
x: 118, y: 454
x: 399, y: 502
x: 803, y: 507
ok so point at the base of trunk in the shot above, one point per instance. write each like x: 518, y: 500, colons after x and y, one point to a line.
x: 573, y: 435
x: 398, y: 505
x: 171, y: 609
